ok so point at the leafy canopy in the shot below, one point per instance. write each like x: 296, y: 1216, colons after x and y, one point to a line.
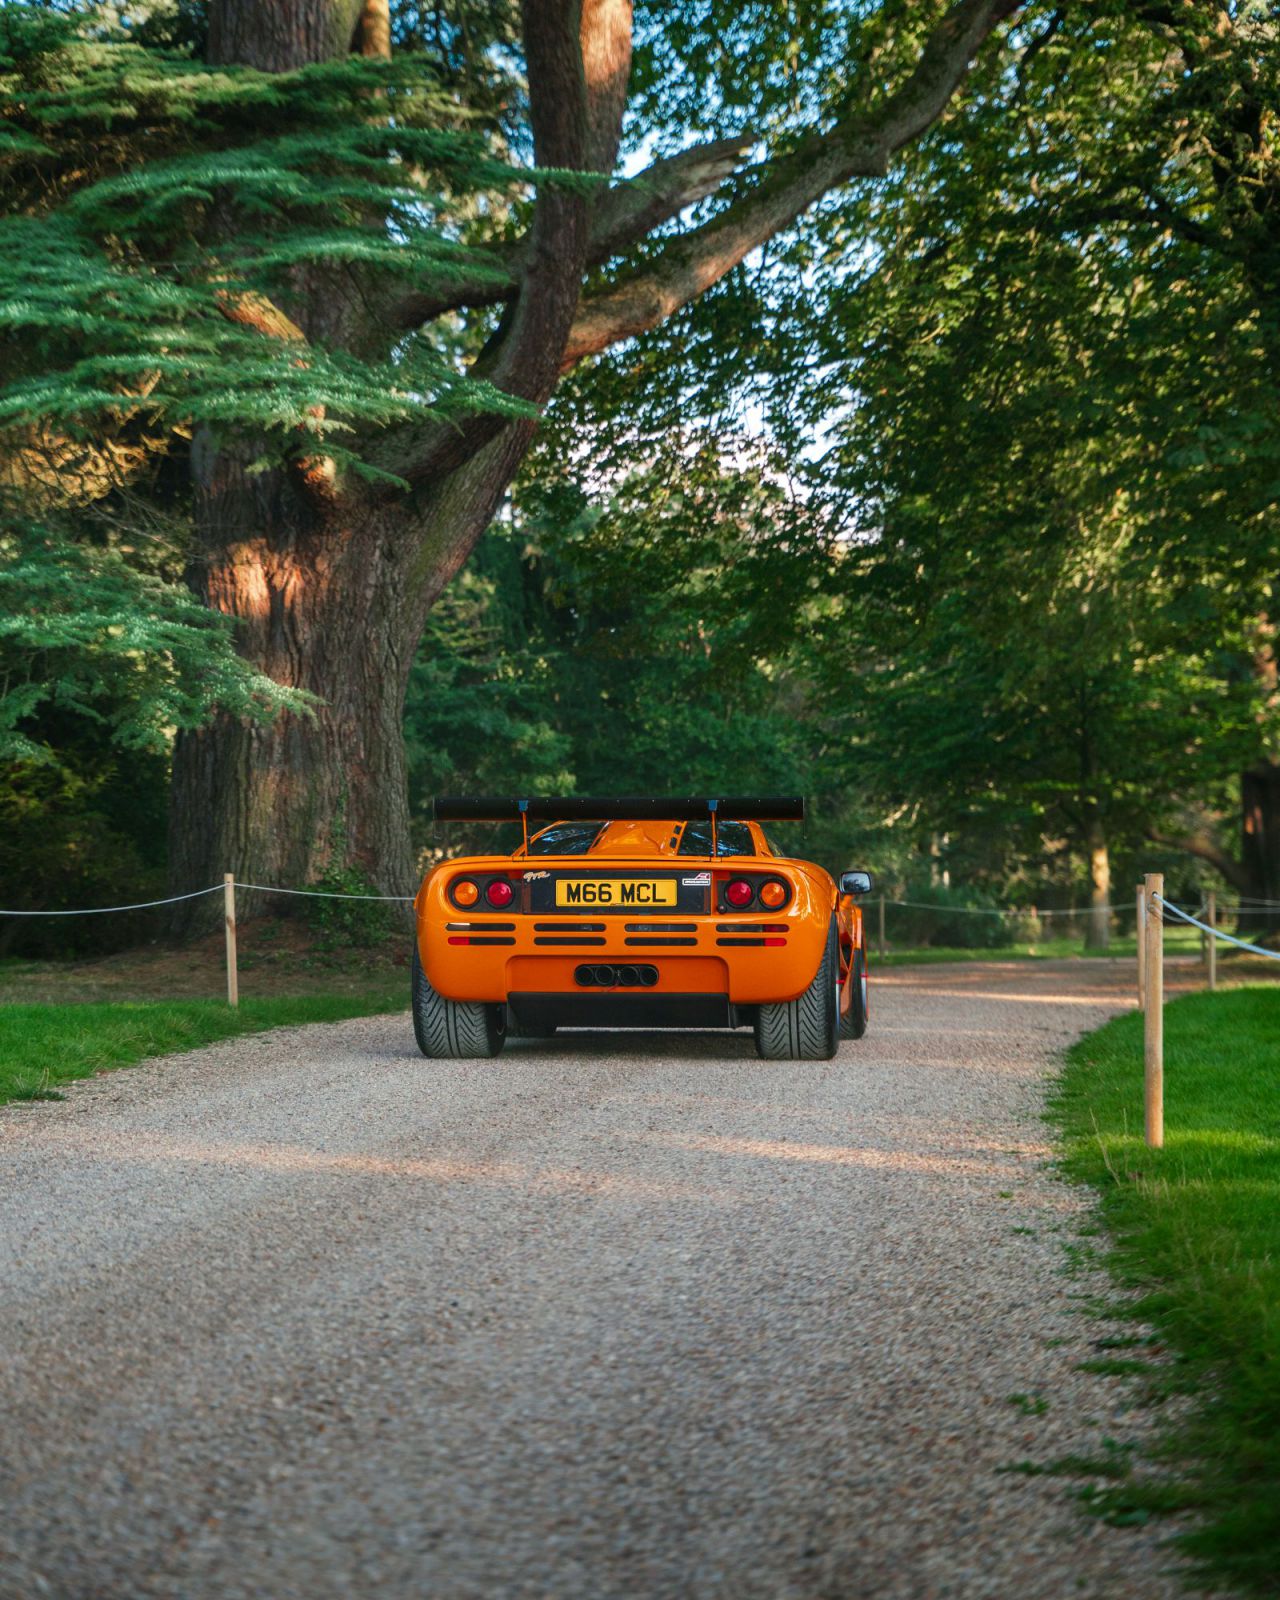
x: 159, y: 212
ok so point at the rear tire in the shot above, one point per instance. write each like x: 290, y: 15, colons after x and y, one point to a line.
x: 853, y: 1022
x: 807, y: 1028
x: 454, y: 1029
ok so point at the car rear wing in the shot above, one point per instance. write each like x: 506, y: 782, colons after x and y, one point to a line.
x: 618, y: 808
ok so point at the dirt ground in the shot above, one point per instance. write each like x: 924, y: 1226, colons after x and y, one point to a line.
x: 276, y: 957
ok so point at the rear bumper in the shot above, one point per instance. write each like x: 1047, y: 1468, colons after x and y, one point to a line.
x: 497, y: 963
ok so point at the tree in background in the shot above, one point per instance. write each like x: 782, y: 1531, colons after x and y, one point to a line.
x: 268, y: 255
x: 1050, y: 399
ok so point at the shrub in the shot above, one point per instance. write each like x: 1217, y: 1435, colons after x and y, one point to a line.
x: 348, y: 922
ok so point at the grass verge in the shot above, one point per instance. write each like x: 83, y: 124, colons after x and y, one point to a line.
x: 1196, y: 1229
x: 42, y: 1046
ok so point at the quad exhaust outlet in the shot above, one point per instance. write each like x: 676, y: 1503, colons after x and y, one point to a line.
x: 591, y: 975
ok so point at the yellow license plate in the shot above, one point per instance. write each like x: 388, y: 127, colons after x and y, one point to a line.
x: 616, y: 892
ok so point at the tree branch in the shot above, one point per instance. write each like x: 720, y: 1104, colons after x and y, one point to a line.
x: 563, y: 239
x: 620, y: 218
x: 577, y: 82
x: 1203, y: 845
x: 861, y: 146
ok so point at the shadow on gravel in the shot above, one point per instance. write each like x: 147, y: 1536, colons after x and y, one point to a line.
x: 615, y: 1045
x: 620, y: 1044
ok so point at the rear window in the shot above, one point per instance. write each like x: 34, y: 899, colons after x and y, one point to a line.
x: 734, y: 839
x: 566, y: 839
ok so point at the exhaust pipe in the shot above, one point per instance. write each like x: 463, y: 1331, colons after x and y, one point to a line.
x: 595, y: 977
x: 604, y: 977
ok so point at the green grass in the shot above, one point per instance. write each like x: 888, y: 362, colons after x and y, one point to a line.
x: 1196, y: 1228
x: 42, y: 1046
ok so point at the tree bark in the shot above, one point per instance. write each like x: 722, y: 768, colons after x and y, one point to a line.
x: 280, y: 35
x: 320, y: 602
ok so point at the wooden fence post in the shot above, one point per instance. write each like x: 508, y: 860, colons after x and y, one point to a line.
x: 1142, y: 948
x: 1212, y: 919
x: 229, y: 917
x: 882, y: 927
x: 1153, y: 1022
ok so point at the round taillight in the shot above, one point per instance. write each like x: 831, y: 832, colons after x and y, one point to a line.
x: 738, y: 892
x: 773, y: 894
x: 499, y: 893
x: 464, y: 892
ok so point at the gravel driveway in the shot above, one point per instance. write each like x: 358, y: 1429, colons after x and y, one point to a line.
x: 303, y: 1315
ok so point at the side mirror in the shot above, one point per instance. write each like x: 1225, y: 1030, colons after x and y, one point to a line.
x: 855, y: 883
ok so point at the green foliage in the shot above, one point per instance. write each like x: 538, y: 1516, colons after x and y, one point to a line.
x: 1064, y: 440
x: 362, y: 920
x: 1197, y: 1231
x: 614, y: 642
x: 86, y: 829
x: 1046, y: 405
x: 156, y: 205
x: 342, y: 923
x: 81, y: 631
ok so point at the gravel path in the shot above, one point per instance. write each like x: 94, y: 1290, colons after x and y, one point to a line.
x: 303, y: 1315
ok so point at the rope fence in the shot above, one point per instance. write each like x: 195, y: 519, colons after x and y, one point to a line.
x: 227, y: 888
x: 325, y: 894
x: 1217, y: 933
x: 1241, y: 907
x: 1152, y: 915
x: 102, y: 911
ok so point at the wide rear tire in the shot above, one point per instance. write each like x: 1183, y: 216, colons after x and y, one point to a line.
x: 454, y: 1029
x: 853, y: 1022
x: 808, y: 1027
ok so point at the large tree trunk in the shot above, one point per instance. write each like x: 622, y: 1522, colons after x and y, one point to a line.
x: 1260, y: 847
x: 330, y: 583
x: 318, y: 596
x: 331, y: 598
x: 309, y: 569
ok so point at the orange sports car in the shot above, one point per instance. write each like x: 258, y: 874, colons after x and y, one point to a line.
x: 637, y: 913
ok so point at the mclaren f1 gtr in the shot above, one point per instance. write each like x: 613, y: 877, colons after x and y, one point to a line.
x: 634, y: 912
